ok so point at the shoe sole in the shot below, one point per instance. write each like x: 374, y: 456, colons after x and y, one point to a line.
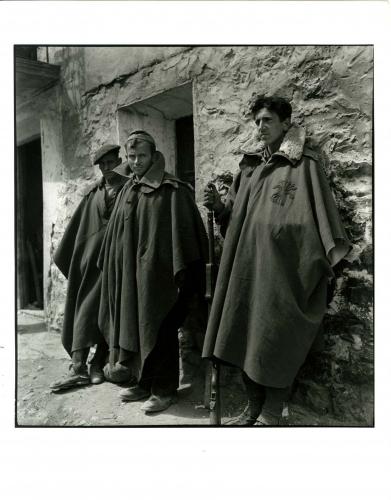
x: 65, y: 387
x: 240, y: 424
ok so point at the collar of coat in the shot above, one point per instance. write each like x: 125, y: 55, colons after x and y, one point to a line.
x: 155, y: 177
x: 293, y: 147
x: 101, y: 183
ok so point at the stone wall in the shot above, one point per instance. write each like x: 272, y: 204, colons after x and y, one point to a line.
x: 330, y: 88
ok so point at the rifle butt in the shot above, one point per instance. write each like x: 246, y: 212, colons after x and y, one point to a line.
x: 215, y: 402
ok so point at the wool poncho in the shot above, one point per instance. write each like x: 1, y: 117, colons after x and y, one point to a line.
x: 155, y: 234
x: 76, y: 257
x: 283, y: 235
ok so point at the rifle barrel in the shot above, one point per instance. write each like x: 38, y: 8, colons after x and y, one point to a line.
x: 214, y: 396
x: 211, y: 237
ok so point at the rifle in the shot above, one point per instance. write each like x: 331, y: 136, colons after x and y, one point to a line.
x: 214, y: 394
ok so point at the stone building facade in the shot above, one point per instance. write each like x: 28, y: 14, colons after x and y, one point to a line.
x: 194, y: 100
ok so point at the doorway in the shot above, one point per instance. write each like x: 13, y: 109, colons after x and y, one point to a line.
x: 168, y: 117
x: 185, y: 149
x: 29, y: 226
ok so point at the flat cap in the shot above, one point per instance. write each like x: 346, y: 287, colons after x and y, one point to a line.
x: 141, y: 135
x: 107, y: 148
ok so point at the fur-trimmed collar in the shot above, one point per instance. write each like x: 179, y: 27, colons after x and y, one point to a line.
x: 292, y: 146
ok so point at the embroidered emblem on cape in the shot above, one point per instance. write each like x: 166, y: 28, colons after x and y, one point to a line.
x: 285, y: 190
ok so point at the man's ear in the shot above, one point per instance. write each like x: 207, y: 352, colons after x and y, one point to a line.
x: 119, y: 160
x: 154, y: 156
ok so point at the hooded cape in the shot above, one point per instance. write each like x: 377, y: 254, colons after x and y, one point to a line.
x: 155, y: 234
x: 283, y: 234
x: 76, y: 257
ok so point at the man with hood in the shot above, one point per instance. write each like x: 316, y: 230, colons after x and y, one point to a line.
x: 76, y: 257
x: 283, y: 236
x: 152, y: 262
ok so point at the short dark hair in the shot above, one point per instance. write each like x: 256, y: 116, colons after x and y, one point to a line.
x: 273, y: 103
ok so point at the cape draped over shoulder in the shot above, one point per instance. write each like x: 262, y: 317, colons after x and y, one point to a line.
x: 76, y: 257
x: 155, y: 232
x: 283, y: 234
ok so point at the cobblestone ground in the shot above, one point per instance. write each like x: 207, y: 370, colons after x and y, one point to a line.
x: 42, y: 359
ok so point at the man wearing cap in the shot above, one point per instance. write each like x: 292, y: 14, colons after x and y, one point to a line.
x: 76, y: 257
x: 283, y: 236
x: 152, y: 262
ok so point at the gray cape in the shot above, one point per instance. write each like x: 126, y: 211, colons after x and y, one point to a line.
x: 283, y: 233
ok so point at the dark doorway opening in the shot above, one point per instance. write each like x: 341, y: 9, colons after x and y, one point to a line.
x: 185, y: 149
x: 29, y: 226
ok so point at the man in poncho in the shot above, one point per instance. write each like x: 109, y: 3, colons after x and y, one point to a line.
x: 283, y: 236
x: 76, y: 257
x: 152, y: 263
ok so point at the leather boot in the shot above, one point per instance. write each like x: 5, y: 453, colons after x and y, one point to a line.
x: 249, y: 415
x: 97, y: 363
x: 256, y: 397
x: 77, y: 375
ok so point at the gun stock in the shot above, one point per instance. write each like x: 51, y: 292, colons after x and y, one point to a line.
x: 214, y: 376
x: 214, y: 402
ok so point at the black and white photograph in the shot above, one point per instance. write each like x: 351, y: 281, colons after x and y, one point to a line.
x: 195, y: 250
x: 194, y: 235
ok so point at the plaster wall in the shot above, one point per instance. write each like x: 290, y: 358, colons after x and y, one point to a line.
x: 104, y: 64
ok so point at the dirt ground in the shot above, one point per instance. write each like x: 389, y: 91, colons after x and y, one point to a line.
x: 42, y: 360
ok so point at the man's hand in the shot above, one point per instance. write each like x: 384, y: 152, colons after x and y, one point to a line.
x: 212, y: 199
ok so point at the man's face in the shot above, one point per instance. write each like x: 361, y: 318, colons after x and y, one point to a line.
x: 140, y: 158
x: 108, y: 162
x: 270, y: 127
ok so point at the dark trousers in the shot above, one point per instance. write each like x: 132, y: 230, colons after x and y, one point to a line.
x: 266, y: 400
x: 79, y: 357
x: 161, y: 368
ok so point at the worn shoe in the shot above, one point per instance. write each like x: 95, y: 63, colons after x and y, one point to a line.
x: 73, y: 379
x: 118, y: 374
x: 264, y: 420
x: 158, y: 403
x: 245, y: 419
x: 96, y: 374
x: 134, y: 393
